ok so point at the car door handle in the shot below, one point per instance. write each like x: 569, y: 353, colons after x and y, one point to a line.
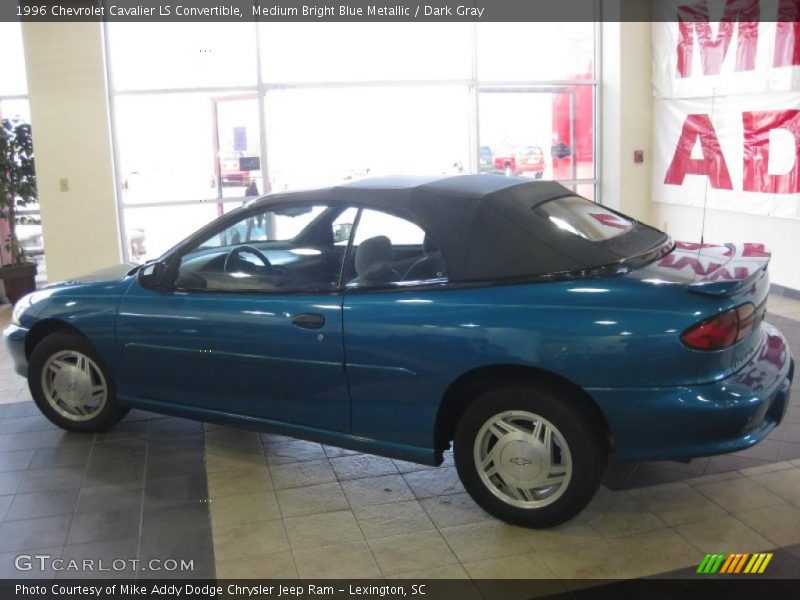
x: 308, y: 320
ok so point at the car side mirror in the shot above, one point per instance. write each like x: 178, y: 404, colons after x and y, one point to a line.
x: 341, y: 232
x: 153, y: 275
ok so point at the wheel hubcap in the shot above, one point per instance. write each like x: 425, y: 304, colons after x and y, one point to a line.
x: 74, y: 386
x: 523, y: 459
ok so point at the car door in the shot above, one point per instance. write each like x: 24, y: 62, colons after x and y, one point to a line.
x: 395, y: 347
x: 252, y: 324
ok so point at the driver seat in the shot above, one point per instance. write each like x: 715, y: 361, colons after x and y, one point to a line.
x: 373, y: 262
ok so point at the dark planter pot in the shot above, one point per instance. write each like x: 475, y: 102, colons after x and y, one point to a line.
x: 18, y: 280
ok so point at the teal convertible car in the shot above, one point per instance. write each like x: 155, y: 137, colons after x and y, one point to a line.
x: 536, y: 332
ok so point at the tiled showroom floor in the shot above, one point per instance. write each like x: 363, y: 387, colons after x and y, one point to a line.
x: 243, y: 504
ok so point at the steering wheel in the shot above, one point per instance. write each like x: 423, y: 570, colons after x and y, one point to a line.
x: 233, y: 257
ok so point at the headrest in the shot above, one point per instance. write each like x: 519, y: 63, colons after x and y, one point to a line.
x: 373, y: 254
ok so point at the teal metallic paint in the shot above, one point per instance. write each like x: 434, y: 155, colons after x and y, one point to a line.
x: 679, y: 422
x: 376, y: 379
x: 238, y: 353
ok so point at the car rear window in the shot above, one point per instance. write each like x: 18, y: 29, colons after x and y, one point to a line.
x: 583, y: 218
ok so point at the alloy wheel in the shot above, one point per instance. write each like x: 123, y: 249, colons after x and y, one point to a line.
x: 523, y: 459
x: 74, y: 386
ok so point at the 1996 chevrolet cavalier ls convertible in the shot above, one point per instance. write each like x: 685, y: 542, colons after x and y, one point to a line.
x: 535, y: 331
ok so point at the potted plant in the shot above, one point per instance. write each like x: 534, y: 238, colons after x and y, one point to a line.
x: 17, y: 190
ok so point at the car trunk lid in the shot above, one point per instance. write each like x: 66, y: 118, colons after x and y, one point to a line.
x: 714, y: 270
x: 730, y: 269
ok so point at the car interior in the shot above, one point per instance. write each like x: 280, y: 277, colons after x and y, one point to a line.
x: 243, y: 257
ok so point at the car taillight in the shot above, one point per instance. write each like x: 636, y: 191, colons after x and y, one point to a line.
x: 721, y: 331
x: 747, y: 317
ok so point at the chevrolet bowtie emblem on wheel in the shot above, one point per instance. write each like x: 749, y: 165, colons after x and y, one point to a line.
x: 735, y: 563
x: 520, y: 462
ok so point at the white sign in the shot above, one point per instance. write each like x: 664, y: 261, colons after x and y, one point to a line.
x: 741, y: 153
x: 727, y: 109
x: 695, y: 58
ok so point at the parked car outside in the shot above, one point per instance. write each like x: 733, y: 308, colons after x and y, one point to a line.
x: 231, y: 173
x: 485, y: 160
x: 521, y: 161
x: 536, y: 332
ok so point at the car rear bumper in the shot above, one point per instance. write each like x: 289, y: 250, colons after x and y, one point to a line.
x: 702, y: 420
x: 15, y: 344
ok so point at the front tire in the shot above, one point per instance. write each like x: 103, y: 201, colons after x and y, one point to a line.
x: 72, y: 386
x: 531, y: 456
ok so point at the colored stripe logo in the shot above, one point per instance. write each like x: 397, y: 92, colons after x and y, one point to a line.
x: 730, y: 564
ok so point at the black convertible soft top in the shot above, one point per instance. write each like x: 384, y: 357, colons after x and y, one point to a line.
x: 485, y: 225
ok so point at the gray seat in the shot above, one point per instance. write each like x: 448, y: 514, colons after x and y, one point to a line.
x: 430, y: 266
x: 373, y: 262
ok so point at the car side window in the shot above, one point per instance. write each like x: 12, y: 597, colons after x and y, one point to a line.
x: 271, y: 250
x: 391, y: 250
x: 342, y: 226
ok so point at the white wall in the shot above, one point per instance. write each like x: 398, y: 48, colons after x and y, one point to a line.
x: 626, y: 118
x: 71, y: 136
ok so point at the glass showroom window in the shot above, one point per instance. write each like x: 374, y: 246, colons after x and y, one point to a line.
x: 186, y: 146
x: 186, y: 128
x: 14, y: 107
x: 12, y: 75
x: 321, y: 136
x: 537, y: 98
x: 205, y: 119
x: 347, y: 52
x: 544, y: 132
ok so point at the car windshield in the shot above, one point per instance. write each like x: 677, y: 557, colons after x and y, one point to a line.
x: 586, y: 219
x: 269, y: 226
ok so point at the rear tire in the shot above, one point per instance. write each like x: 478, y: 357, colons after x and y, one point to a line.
x: 530, y: 455
x: 71, y: 384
